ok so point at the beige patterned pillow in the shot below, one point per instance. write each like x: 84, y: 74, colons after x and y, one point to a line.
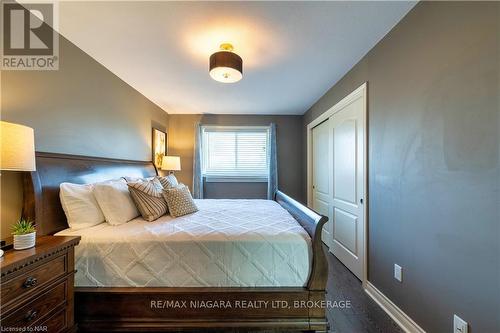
x: 147, y: 196
x: 168, y: 181
x: 179, y: 200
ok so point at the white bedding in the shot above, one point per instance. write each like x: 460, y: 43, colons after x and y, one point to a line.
x: 227, y: 243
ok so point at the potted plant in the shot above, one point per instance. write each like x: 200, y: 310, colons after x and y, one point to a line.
x: 24, y: 233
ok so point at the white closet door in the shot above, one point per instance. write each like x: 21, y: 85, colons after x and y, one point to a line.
x: 347, y: 131
x: 321, y: 175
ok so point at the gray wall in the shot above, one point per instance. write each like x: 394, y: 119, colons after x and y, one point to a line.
x: 433, y: 86
x: 81, y: 109
x: 289, y: 140
x: 214, y: 190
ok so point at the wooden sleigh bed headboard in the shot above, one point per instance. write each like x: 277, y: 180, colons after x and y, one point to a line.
x: 41, y: 187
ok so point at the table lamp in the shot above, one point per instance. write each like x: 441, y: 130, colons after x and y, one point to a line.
x: 17, y: 148
x: 171, y: 163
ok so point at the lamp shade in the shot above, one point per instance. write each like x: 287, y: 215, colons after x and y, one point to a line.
x: 226, y: 66
x: 171, y: 163
x: 17, y: 147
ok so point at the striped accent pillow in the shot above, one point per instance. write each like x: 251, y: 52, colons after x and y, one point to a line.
x: 168, y: 181
x: 147, y: 196
x: 179, y: 199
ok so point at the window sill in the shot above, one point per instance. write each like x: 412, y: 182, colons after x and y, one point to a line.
x: 228, y: 179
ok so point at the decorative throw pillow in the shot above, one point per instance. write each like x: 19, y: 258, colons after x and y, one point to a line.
x: 148, y: 198
x: 115, y: 201
x: 179, y: 200
x: 168, y: 181
x: 80, y: 206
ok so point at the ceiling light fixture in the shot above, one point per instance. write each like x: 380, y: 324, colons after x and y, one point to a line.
x: 225, y: 65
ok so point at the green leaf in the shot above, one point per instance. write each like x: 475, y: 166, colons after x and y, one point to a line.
x: 23, y: 227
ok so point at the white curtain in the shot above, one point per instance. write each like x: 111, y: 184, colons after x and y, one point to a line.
x: 272, y: 181
x: 197, y: 175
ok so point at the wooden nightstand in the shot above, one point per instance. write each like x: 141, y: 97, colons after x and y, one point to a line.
x: 37, y: 286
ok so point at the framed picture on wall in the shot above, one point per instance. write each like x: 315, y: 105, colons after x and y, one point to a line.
x: 159, y: 146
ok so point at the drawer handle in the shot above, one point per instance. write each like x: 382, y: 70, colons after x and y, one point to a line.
x: 30, y: 282
x: 30, y: 315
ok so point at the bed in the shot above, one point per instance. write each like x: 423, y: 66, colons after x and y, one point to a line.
x: 251, y: 264
x: 227, y: 243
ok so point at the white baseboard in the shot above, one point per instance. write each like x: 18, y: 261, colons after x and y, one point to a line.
x: 401, y: 318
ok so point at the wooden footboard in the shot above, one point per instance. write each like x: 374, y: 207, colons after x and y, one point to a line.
x: 173, y: 309
x: 313, y: 223
x: 167, y: 309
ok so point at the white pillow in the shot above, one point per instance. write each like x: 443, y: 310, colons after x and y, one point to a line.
x: 115, y: 201
x: 80, y: 206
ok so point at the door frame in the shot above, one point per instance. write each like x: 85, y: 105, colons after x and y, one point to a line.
x: 361, y: 91
x: 330, y: 182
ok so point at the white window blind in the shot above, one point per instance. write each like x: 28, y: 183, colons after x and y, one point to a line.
x: 235, y: 152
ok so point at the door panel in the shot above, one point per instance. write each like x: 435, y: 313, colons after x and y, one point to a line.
x: 322, y: 207
x: 320, y: 156
x: 321, y: 178
x: 348, y: 185
x: 345, y: 230
x: 337, y: 180
x: 344, y: 182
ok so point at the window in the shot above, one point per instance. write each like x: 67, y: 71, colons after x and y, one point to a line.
x: 235, y: 153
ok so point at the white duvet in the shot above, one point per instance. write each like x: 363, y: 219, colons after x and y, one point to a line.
x: 227, y: 243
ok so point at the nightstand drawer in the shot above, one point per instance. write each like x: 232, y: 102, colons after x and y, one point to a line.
x: 37, y: 309
x: 34, y: 279
x: 37, y: 287
x: 56, y: 323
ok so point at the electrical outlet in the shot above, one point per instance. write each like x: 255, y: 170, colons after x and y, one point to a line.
x: 459, y: 325
x: 398, y: 273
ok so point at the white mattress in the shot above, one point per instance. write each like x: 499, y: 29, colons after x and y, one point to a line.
x: 228, y: 243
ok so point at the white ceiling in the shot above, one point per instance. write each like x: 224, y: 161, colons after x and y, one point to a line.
x: 293, y: 52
